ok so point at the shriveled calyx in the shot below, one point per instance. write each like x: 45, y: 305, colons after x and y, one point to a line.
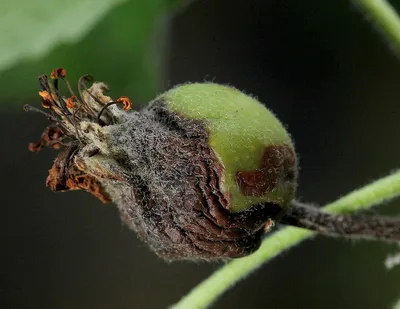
x: 76, y: 129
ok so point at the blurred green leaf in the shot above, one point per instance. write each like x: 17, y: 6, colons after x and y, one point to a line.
x: 30, y: 28
x: 125, y: 49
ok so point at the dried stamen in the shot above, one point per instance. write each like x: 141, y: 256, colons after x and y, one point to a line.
x: 66, y: 114
x: 73, y: 100
x: 58, y: 73
x: 46, y: 99
x: 52, y: 118
x: 60, y: 109
x: 127, y: 104
x: 36, y: 147
x: 51, y: 137
x: 44, y: 84
x: 82, y: 84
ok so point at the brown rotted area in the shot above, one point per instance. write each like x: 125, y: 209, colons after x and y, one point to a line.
x: 190, y: 218
x: 278, y: 164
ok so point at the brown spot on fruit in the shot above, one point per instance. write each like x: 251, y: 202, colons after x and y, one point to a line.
x: 278, y: 164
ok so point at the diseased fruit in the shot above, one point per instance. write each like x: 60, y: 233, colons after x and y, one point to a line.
x: 200, y: 173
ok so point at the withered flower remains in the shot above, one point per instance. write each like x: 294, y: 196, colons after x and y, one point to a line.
x: 200, y: 173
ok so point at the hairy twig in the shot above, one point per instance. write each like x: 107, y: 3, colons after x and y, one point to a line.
x: 360, y: 226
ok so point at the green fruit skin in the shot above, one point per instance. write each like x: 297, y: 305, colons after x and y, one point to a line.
x: 240, y: 129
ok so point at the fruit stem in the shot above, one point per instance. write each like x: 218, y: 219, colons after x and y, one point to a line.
x: 397, y: 305
x: 367, y: 227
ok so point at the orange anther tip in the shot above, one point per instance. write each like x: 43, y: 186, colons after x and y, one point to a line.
x: 46, y: 104
x: 126, y: 102
x: 35, y: 147
x: 44, y: 94
x: 46, y: 99
x: 71, y: 102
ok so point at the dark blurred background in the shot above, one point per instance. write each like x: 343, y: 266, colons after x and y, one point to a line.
x: 319, y: 65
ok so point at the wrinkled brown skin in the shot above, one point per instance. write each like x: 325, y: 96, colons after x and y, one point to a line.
x: 195, y: 221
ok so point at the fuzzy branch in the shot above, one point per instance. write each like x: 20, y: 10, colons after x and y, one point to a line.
x: 359, y: 226
x: 210, y: 289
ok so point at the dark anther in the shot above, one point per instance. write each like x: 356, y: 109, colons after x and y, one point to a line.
x: 44, y: 83
x: 58, y: 73
x: 54, y: 75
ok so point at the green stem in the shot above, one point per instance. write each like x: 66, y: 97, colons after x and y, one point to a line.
x: 382, y: 14
x: 210, y: 289
x: 397, y: 305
